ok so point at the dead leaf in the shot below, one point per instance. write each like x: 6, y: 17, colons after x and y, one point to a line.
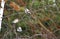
x: 21, y: 2
x: 15, y: 6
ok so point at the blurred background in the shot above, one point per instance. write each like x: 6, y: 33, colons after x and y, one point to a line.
x: 31, y: 19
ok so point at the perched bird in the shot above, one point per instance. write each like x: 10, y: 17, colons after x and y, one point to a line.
x: 19, y: 29
x: 27, y: 11
x: 15, y: 20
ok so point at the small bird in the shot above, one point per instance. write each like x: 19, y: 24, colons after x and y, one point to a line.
x: 27, y: 11
x: 15, y: 21
x: 19, y: 29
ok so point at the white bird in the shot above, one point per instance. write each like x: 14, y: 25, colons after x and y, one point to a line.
x: 19, y: 29
x: 27, y: 11
x: 15, y: 21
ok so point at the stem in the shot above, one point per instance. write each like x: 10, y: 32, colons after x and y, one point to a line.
x: 1, y: 12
